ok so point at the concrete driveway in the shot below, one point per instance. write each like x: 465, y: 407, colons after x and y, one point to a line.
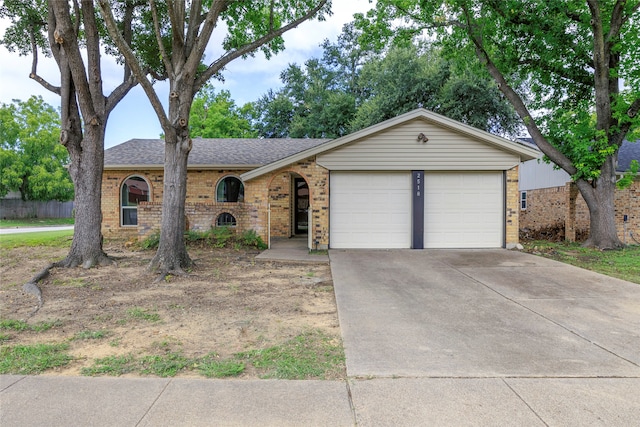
x: 482, y: 313
x: 486, y: 337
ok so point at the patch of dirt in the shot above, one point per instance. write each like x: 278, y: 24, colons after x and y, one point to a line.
x: 554, y: 233
x: 228, y: 303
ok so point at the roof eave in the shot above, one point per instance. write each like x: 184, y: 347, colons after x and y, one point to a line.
x: 189, y: 167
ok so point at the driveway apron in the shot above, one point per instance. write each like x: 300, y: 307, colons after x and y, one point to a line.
x: 482, y: 314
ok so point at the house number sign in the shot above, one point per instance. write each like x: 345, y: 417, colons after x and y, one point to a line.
x: 417, y: 241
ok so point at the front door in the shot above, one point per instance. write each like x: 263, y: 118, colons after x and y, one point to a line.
x: 301, y: 206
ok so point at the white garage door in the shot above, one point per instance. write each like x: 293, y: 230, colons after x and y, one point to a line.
x: 463, y: 210
x: 370, y: 210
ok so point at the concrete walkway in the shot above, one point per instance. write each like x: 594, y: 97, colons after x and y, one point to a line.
x: 443, y: 338
x: 17, y: 230
x: 294, y: 249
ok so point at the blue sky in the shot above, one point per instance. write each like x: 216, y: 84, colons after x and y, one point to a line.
x: 246, y: 79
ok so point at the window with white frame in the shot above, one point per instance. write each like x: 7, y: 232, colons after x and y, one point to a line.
x: 134, y: 190
x: 230, y: 189
x: 523, y: 200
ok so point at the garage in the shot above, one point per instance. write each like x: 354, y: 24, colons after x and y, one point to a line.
x: 463, y: 210
x: 419, y: 180
x: 370, y: 209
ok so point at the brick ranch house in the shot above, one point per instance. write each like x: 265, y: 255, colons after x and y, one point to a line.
x: 549, y: 199
x: 419, y: 180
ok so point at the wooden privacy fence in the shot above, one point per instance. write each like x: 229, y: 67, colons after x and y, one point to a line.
x: 18, y: 209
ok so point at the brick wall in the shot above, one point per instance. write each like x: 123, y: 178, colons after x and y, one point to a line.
x: 513, y: 207
x: 274, y: 188
x: 550, y: 207
x: 202, y: 209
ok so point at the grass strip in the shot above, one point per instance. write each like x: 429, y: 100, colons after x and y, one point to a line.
x: 33, y: 359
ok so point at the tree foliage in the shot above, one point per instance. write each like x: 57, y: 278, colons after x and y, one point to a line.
x: 570, y: 69
x: 32, y: 160
x: 354, y: 86
x: 216, y: 115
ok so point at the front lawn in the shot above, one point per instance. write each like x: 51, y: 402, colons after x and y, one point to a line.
x: 623, y: 264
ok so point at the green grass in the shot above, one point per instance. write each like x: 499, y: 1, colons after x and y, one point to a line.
x: 311, y: 355
x: 57, y: 238
x: 623, y: 263
x: 21, y: 325
x: 35, y: 222
x: 33, y: 359
x: 166, y: 365
x: 139, y: 313
x: 213, y: 367
x: 111, y: 365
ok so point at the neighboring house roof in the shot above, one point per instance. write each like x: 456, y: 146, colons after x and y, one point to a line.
x: 522, y: 150
x: 628, y: 151
x: 208, y: 153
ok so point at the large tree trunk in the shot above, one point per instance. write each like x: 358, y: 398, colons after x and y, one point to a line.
x: 172, y: 256
x: 600, y: 199
x: 87, y: 160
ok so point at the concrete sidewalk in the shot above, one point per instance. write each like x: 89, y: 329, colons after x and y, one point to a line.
x: 82, y: 401
x: 18, y: 230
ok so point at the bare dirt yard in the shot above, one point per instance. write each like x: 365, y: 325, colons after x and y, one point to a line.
x: 229, y: 303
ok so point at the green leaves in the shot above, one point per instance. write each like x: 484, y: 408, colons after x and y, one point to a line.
x: 33, y: 162
x: 215, y: 115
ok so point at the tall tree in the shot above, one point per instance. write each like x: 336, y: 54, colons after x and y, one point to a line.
x: 216, y: 115
x: 571, y: 70
x: 31, y: 157
x: 351, y: 88
x: 69, y: 31
x: 409, y: 77
x: 189, y: 25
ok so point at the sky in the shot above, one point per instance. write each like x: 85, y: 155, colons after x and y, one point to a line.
x: 246, y: 80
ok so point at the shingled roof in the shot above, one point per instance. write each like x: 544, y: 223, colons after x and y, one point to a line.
x: 208, y: 153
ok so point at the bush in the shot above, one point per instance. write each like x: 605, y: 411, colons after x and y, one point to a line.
x: 152, y: 241
x: 250, y: 238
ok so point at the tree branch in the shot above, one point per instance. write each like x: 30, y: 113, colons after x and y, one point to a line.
x: 515, y: 100
x: 34, y: 69
x: 156, y: 29
x: 230, y: 56
x: 133, y: 62
x: 194, y: 24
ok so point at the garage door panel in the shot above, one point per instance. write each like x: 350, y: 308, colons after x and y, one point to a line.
x: 370, y: 210
x: 463, y: 210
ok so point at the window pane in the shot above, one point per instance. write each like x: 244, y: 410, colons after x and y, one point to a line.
x: 129, y: 216
x: 230, y: 189
x: 134, y: 190
x: 226, y: 220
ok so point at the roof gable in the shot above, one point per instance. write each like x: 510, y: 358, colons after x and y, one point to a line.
x: 207, y: 153
x: 501, y: 144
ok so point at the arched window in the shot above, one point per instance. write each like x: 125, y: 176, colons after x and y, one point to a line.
x: 226, y: 220
x: 230, y: 189
x: 134, y: 190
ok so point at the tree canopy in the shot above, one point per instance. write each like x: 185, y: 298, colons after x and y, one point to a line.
x: 216, y: 115
x: 355, y: 85
x: 32, y: 160
x: 571, y: 70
